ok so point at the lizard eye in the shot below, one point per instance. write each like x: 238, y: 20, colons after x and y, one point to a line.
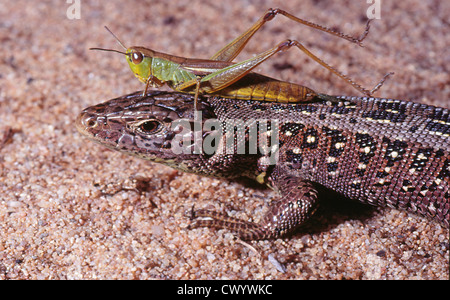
x: 136, y: 57
x: 149, y: 127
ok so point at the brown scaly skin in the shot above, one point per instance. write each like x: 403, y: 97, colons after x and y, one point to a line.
x: 383, y: 152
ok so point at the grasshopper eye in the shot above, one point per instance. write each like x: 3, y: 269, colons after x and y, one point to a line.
x: 149, y: 127
x: 136, y: 57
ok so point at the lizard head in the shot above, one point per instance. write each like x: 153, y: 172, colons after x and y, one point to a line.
x: 159, y: 127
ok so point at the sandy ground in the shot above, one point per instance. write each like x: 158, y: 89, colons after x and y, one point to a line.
x: 71, y: 209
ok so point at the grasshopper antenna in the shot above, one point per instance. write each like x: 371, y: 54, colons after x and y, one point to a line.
x: 109, y: 50
x: 112, y: 50
x: 120, y: 43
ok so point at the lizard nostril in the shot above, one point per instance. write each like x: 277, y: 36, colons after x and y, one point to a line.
x: 91, y: 122
x: 86, y: 121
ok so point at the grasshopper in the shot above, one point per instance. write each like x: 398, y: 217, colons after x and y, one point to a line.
x: 222, y: 77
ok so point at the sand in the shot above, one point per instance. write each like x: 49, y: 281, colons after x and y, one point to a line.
x: 69, y: 209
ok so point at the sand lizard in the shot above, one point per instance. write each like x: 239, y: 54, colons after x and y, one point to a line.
x: 383, y: 152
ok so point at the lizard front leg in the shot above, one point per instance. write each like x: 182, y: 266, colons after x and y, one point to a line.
x: 298, y: 201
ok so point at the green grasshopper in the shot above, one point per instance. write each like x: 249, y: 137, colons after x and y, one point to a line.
x: 220, y: 76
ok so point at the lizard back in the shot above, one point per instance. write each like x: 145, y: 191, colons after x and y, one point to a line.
x: 383, y: 152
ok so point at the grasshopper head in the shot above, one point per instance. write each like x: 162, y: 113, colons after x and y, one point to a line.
x: 140, y: 62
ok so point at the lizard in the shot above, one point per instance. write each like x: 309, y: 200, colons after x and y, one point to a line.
x: 379, y: 151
